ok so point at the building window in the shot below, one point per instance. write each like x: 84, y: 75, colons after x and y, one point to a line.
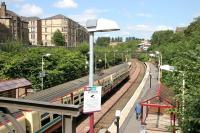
x: 45, y: 37
x: 46, y: 30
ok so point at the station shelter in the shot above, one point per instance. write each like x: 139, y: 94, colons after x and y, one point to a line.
x: 157, y: 101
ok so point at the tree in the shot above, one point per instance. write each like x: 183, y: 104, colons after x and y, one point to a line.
x: 103, y: 41
x: 161, y: 37
x: 58, y: 38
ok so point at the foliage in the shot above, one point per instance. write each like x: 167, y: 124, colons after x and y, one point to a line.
x: 60, y: 67
x: 116, y: 39
x: 84, y: 48
x: 11, y: 46
x: 161, y: 37
x: 143, y: 57
x: 58, y: 38
x: 103, y: 41
x: 182, y: 50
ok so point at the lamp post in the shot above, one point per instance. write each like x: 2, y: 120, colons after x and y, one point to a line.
x: 159, y: 64
x: 96, y: 25
x: 105, y: 56
x: 114, y: 55
x: 42, y: 74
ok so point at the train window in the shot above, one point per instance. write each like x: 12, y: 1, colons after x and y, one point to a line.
x: 75, y: 97
x: 44, y: 115
x: 45, y: 121
x: 55, y: 116
x: 82, y: 99
x: 76, y: 103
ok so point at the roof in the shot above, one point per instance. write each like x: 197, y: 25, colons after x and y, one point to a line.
x: 13, y: 84
x: 63, y: 89
x: 58, y: 16
x: 180, y: 29
x: 29, y: 18
x: 11, y: 13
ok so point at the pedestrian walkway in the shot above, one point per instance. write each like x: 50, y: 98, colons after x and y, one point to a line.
x: 157, y: 123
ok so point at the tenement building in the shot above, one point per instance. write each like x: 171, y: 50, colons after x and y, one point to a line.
x: 73, y: 32
x: 12, y: 27
x: 35, y: 31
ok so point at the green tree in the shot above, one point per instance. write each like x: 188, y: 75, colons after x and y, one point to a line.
x: 103, y: 41
x: 58, y: 38
x: 161, y: 37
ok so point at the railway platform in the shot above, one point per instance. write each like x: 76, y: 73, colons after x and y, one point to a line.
x: 154, y: 123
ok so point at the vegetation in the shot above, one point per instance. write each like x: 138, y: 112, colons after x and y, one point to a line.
x: 182, y: 50
x: 11, y: 46
x: 58, y: 38
x: 103, y: 41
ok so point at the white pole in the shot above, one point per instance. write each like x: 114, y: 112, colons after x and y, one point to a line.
x: 42, y: 72
x: 159, y: 70
x: 183, y: 95
x: 105, y: 60
x: 114, y: 57
x: 91, y: 60
x: 91, y: 70
x: 75, y: 37
x: 161, y: 65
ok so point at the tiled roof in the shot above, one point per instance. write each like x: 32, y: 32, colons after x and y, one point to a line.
x: 13, y: 84
x: 59, y: 16
x: 29, y: 18
x: 11, y: 13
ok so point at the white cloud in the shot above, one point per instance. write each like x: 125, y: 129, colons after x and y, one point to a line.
x: 163, y: 27
x: 143, y: 30
x: 13, y: 1
x: 88, y: 14
x: 147, y: 15
x: 66, y: 4
x: 148, y: 28
x: 30, y: 10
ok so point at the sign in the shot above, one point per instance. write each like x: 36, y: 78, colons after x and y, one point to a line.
x: 92, y: 99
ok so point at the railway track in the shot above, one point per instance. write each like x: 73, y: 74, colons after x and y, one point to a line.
x: 118, y: 100
x: 135, y: 80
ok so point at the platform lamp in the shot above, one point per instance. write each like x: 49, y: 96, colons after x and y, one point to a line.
x: 96, y: 25
x: 43, y: 74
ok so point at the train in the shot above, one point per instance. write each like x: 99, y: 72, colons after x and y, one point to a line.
x: 68, y: 93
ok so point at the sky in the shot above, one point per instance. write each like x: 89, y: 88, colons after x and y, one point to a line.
x: 138, y: 18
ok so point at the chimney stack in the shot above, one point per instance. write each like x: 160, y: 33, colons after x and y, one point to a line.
x: 3, y: 9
